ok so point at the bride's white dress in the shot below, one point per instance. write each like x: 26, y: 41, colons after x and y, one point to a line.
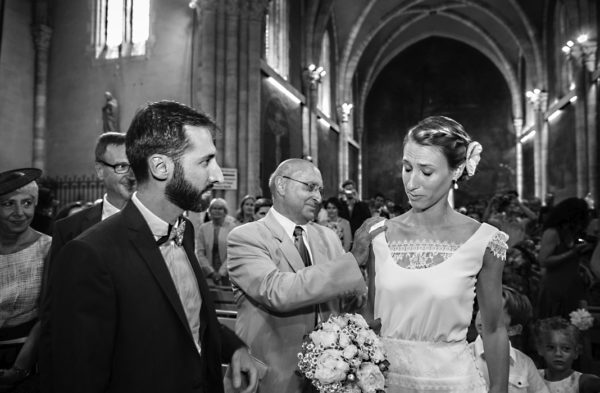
x: 425, y: 311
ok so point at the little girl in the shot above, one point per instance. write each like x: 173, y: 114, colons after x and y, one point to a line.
x: 559, y: 343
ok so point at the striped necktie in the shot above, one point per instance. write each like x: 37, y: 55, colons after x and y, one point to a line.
x: 301, y: 246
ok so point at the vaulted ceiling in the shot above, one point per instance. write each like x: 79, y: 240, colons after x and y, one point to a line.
x: 370, y: 33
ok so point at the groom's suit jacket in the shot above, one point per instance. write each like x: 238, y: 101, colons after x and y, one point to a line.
x: 276, y: 295
x: 118, y: 324
x: 64, y: 231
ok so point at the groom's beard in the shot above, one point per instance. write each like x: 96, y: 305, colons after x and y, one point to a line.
x: 182, y: 193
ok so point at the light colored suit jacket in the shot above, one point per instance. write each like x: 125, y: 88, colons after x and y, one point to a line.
x: 276, y: 295
x: 204, y: 244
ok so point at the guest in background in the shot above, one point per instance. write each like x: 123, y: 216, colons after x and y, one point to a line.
x: 113, y: 169
x: 353, y: 209
x: 508, y: 213
x: 559, y: 343
x: 246, y: 211
x: 523, y: 375
x: 261, y: 208
x: 22, y: 254
x: 379, y: 208
x: 339, y: 225
x: 562, y: 289
x: 211, y: 242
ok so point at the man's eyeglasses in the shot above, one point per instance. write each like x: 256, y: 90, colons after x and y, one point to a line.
x: 120, y: 168
x: 312, y: 187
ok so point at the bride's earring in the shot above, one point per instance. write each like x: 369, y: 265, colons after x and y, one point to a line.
x: 454, y: 184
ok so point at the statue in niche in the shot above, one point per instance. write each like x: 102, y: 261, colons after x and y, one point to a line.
x: 110, y: 113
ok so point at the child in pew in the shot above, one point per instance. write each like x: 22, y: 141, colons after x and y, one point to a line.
x: 523, y: 376
x: 559, y: 343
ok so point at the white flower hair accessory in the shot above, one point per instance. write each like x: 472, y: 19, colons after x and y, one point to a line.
x: 473, y: 156
x: 582, y: 319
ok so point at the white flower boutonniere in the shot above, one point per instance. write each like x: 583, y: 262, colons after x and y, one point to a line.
x: 473, y: 156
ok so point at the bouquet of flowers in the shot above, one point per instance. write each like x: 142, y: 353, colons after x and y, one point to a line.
x: 582, y: 319
x: 343, y: 355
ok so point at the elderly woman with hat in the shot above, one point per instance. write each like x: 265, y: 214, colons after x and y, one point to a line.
x: 22, y: 254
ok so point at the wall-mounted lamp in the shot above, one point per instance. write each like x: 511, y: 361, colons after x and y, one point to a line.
x: 315, y: 74
x: 538, y: 98
x: 582, y: 49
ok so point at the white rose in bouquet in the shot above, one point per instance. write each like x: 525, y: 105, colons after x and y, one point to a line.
x: 326, y: 339
x: 331, y: 367
x: 370, y: 379
x: 350, y: 351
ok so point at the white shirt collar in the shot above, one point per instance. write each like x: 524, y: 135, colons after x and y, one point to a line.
x: 479, y: 349
x: 108, y: 209
x: 157, y: 225
x: 287, y: 224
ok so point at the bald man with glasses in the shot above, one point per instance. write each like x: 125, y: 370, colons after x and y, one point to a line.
x: 289, y: 273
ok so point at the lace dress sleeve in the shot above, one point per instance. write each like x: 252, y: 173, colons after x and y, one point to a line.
x: 498, y: 246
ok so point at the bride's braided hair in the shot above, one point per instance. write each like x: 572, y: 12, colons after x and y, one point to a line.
x: 444, y: 133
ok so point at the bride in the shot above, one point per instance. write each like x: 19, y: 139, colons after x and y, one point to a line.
x: 428, y: 265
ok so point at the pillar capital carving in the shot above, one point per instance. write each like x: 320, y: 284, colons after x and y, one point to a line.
x: 41, y: 36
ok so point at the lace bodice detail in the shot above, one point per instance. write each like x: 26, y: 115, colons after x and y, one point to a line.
x: 421, y: 254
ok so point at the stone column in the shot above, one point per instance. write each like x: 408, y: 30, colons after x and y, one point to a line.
x: 344, y: 115
x: 591, y: 101
x: 539, y: 100
x: 581, y: 134
x: 229, y: 84
x: 256, y: 14
x: 41, y: 39
x: 518, y: 125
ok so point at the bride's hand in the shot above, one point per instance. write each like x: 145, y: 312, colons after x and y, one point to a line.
x: 363, y: 238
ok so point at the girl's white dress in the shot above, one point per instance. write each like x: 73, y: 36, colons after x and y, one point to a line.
x: 425, y: 311
x: 568, y: 385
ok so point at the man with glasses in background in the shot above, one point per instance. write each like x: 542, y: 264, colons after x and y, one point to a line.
x: 288, y: 273
x: 112, y: 168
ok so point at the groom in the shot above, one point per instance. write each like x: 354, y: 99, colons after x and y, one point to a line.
x: 288, y: 273
x: 131, y: 311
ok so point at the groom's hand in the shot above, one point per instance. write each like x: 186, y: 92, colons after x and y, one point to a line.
x: 363, y: 238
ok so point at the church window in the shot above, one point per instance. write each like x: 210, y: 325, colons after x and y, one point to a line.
x: 122, y: 28
x: 276, y: 37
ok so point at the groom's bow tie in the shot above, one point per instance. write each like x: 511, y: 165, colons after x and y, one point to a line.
x: 175, y: 233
